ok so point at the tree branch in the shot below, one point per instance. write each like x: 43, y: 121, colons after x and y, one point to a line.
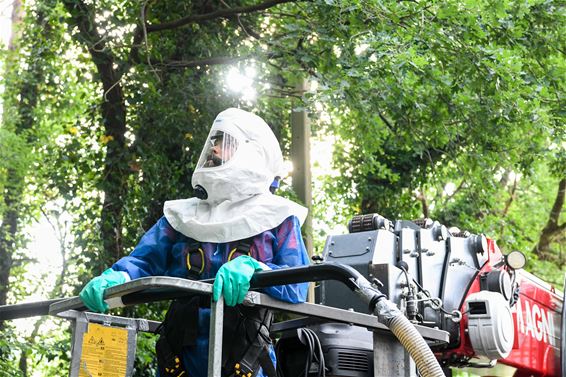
x: 422, y: 198
x: 248, y: 30
x: 558, y: 202
x: 552, y: 229
x: 386, y: 121
x: 222, y: 13
x: 203, y: 62
x: 511, y: 198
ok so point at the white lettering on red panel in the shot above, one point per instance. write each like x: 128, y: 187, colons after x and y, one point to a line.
x: 535, y: 321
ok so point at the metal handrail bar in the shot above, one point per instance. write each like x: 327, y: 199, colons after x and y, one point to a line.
x: 152, y: 287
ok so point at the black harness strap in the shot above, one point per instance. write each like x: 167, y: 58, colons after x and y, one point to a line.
x: 267, y: 364
x: 246, y: 327
x: 252, y: 341
x: 243, y: 248
x: 195, y: 260
x: 174, y: 335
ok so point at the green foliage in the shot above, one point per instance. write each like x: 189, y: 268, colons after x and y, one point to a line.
x: 50, y: 353
x: 425, y: 103
x: 9, y: 360
x: 14, y: 156
x: 424, y: 95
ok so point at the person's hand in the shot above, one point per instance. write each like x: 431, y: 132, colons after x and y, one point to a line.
x: 93, y: 293
x: 233, y: 279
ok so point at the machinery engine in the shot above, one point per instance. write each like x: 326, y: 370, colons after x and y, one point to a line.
x: 444, y: 278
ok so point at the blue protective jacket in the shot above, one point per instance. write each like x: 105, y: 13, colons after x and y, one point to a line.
x: 163, y: 251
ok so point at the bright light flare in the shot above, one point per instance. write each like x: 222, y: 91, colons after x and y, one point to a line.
x: 242, y: 83
x: 449, y: 188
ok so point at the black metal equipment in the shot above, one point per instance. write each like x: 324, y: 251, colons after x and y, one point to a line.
x: 338, y: 348
x: 419, y: 265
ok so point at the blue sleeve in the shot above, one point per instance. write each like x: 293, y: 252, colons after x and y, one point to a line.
x: 290, y: 251
x: 151, y: 255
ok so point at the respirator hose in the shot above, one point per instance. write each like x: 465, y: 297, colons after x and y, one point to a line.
x: 409, y: 337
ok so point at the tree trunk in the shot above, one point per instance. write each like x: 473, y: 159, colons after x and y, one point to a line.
x: 8, y: 228
x: 116, y: 169
x: 552, y: 230
x: 114, y: 181
x: 8, y: 232
x: 422, y: 198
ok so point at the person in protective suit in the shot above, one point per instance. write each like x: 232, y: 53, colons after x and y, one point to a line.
x: 232, y: 181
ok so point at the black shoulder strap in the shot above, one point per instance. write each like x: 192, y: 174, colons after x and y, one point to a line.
x: 249, y: 327
x: 267, y: 364
x: 180, y: 325
x: 245, y: 245
x: 194, y: 245
x: 179, y: 329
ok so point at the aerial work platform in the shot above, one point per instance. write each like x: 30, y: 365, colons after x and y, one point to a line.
x: 105, y: 345
x: 437, y: 300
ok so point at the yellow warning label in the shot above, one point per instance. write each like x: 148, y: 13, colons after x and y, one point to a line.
x: 105, y: 352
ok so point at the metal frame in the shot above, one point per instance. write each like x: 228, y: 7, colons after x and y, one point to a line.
x: 161, y: 287
x: 81, y: 321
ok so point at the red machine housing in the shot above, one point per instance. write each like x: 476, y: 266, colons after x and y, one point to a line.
x: 537, y: 326
x: 501, y: 321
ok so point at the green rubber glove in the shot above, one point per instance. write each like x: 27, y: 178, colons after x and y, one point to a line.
x: 93, y: 293
x: 233, y: 279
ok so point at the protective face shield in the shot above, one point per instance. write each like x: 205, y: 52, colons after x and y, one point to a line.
x: 240, y: 158
x: 218, y: 150
x: 238, y: 163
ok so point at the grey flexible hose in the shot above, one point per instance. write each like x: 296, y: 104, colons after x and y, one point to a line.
x: 409, y: 337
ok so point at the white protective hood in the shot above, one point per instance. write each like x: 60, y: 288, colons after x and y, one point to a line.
x: 239, y: 204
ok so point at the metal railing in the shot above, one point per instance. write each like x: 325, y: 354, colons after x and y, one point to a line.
x: 159, y: 288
